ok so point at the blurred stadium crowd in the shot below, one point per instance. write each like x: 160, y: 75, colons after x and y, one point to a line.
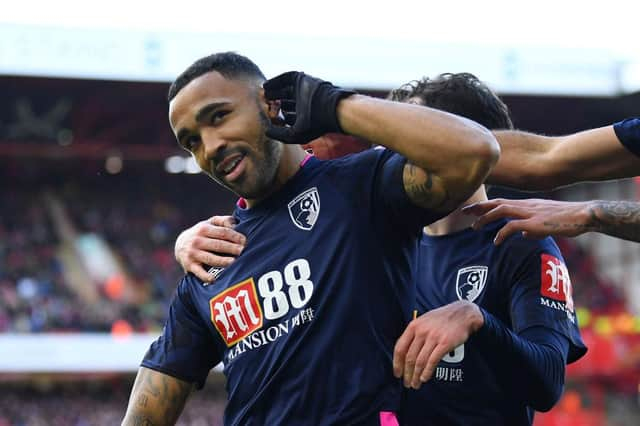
x: 36, y: 295
x: 86, y: 403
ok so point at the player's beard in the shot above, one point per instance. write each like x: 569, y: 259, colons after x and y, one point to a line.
x: 266, y: 161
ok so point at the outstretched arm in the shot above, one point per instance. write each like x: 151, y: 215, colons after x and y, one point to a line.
x: 540, y: 218
x: 156, y: 399
x: 534, y: 162
x: 448, y: 156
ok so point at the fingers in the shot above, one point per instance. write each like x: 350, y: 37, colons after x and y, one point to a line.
x: 421, y: 364
x: 195, y: 261
x: 281, y: 86
x: 435, y: 356
x: 213, y: 242
x: 410, y: 355
x: 222, y: 233
x: 500, y: 212
x: 226, y: 221
x: 197, y: 270
x: 290, y: 118
x: 219, y: 247
x: 202, y: 257
x: 413, y: 356
x: 288, y: 111
x: 288, y: 105
x: 509, y: 229
x: 198, y: 260
x: 400, y: 351
x: 478, y: 209
x: 410, y: 360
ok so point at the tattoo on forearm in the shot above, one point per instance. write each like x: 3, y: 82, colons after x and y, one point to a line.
x: 141, y: 421
x: 142, y: 401
x: 149, y: 385
x: 159, y: 393
x: 617, y: 218
x: 419, y: 186
x: 571, y: 227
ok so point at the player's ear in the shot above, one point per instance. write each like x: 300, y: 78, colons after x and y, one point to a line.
x: 274, y: 111
x: 272, y: 108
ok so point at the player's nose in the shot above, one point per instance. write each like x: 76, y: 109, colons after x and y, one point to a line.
x: 212, y: 143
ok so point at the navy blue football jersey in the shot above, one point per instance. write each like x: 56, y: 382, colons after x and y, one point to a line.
x: 628, y: 131
x: 524, y: 283
x: 306, y: 318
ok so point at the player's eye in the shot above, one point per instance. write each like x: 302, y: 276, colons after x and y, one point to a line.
x: 217, y: 116
x: 190, y: 143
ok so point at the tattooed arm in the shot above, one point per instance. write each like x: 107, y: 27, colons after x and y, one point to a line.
x: 448, y: 156
x: 616, y: 218
x: 539, y: 218
x: 156, y: 399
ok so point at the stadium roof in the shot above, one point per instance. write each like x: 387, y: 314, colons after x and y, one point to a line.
x: 546, y: 47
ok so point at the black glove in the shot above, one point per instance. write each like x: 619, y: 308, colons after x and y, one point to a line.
x: 308, y: 105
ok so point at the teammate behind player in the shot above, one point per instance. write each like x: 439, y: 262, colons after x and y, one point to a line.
x: 540, y: 162
x: 305, y: 319
x: 497, y: 324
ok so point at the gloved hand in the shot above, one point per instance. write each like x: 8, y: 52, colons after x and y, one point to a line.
x: 308, y: 105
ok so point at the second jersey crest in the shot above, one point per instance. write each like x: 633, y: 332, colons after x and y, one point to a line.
x: 470, y: 282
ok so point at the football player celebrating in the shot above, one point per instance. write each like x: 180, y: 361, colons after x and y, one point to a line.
x: 306, y: 318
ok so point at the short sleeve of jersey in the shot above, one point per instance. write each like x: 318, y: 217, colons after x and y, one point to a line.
x: 185, y: 350
x: 541, y: 291
x: 628, y: 131
x: 378, y: 175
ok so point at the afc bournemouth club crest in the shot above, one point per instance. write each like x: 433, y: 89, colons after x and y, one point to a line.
x: 305, y: 208
x: 470, y: 282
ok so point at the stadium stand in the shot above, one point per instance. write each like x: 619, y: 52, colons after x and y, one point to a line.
x: 93, y: 402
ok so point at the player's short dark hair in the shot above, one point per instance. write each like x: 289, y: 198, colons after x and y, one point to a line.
x: 230, y: 64
x: 461, y: 94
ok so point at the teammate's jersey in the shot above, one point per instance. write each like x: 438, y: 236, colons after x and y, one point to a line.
x: 524, y: 283
x: 628, y: 131
x: 306, y: 318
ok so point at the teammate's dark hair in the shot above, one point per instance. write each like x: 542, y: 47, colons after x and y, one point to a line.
x: 230, y: 64
x: 462, y: 94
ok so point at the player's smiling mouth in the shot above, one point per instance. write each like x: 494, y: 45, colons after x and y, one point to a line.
x: 231, y: 167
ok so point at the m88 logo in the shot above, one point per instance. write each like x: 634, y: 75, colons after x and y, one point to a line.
x: 237, y: 312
